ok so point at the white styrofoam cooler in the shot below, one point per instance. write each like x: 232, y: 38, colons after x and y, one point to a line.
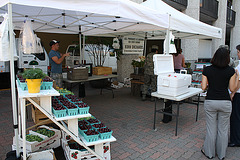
x: 168, y: 82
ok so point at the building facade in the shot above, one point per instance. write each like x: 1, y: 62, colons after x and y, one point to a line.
x: 224, y: 14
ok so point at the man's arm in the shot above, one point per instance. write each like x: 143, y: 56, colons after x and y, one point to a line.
x: 60, y: 60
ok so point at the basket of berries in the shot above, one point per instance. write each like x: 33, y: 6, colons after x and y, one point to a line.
x: 72, y: 109
x: 83, y: 127
x: 91, y: 135
x: 58, y: 110
x: 93, y: 121
x: 97, y: 126
x: 73, y: 98
x: 83, y: 108
x: 47, y: 83
x: 22, y: 83
x: 105, y: 133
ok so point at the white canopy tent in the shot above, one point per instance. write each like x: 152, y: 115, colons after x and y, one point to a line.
x: 78, y: 17
x: 86, y: 16
x: 182, y: 25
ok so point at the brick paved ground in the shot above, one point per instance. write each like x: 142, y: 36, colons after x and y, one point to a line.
x: 132, y: 123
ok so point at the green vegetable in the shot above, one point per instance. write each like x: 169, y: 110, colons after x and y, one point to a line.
x: 32, y: 138
x: 33, y: 73
x: 45, y: 132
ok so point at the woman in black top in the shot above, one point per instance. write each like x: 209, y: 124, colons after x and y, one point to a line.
x: 218, y: 78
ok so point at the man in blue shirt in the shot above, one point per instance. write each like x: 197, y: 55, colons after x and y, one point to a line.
x: 56, y: 60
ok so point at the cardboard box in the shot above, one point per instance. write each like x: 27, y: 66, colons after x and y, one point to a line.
x: 48, y: 142
x: 102, y: 70
x: 77, y: 73
x: 168, y: 82
x: 74, y: 154
x: 43, y: 155
x: 50, y: 146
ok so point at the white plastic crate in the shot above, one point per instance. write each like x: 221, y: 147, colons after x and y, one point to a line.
x: 168, y: 82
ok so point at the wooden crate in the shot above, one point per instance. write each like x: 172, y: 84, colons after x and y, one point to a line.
x: 77, y: 73
x: 38, y: 116
x: 102, y: 70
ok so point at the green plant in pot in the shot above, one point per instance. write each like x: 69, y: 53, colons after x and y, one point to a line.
x: 33, y: 78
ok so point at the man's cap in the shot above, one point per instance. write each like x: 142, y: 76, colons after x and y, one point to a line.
x: 53, y: 42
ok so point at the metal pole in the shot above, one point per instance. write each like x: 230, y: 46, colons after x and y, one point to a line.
x: 12, y: 73
x: 83, y: 49
x: 145, y: 45
x: 80, y: 44
x: 168, y: 37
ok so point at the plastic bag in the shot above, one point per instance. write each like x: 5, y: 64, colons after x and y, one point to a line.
x: 5, y: 40
x: 29, y: 42
x: 39, y: 48
x: 28, y: 38
x: 172, y: 47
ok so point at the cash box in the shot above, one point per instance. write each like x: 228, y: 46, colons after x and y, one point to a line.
x: 168, y: 82
x: 78, y: 73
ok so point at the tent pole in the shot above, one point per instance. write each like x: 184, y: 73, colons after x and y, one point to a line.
x: 145, y: 45
x: 168, y: 37
x: 80, y: 44
x: 83, y: 49
x: 12, y: 73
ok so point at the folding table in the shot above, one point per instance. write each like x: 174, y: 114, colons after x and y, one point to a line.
x: 192, y: 92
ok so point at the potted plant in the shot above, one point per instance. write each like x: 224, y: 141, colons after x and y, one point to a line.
x: 138, y: 65
x: 33, y: 78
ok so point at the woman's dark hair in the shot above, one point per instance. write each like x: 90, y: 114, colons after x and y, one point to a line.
x: 179, y: 51
x: 154, y: 50
x: 238, y: 47
x: 221, y: 58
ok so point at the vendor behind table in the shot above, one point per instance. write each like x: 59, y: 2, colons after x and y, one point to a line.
x: 56, y: 58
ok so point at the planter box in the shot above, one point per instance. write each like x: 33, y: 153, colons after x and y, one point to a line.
x: 77, y: 73
x: 102, y: 70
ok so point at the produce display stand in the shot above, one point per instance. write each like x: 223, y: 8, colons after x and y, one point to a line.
x: 192, y: 92
x: 45, y: 98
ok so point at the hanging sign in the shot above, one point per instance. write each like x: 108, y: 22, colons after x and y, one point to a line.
x: 133, y: 45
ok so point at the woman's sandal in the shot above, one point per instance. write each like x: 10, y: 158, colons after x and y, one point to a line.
x: 205, y: 154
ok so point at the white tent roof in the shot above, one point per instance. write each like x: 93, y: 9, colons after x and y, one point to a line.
x: 94, y: 16
x: 182, y: 25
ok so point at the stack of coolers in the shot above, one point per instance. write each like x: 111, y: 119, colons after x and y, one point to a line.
x: 168, y: 82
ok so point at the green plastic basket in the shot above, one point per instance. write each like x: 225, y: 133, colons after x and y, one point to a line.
x: 91, y: 138
x: 105, y: 135
x: 23, y: 86
x: 46, y: 85
x: 84, y: 110
x: 81, y: 131
x: 72, y: 112
x: 59, y: 113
